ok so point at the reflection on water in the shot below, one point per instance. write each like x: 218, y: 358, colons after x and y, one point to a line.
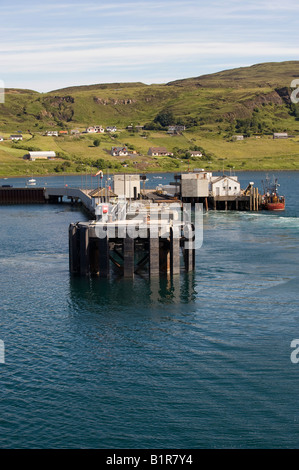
x: 138, y: 292
x: 200, y: 360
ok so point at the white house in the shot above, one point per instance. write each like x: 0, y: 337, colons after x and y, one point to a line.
x: 52, y: 133
x: 158, y: 151
x: 95, y: 130
x: 225, y: 186
x: 195, y: 153
x: 1, y: 138
x: 200, y: 183
x: 175, y: 129
x: 16, y: 137
x: 111, y: 129
x: 119, y: 151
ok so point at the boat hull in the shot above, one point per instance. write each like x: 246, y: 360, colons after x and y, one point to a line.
x: 274, y: 206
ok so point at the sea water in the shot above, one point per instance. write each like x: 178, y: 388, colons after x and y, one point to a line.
x: 200, y: 361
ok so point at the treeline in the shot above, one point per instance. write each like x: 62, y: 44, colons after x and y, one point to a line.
x: 258, y: 123
x: 166, y: 118
x: 187, y: 154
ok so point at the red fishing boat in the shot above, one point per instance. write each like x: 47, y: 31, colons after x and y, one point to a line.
x: 271, y: 200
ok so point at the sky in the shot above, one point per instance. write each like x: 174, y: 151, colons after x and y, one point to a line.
x: 49, y: 45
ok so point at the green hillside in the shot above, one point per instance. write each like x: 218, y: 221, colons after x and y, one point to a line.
x: 252, y: 101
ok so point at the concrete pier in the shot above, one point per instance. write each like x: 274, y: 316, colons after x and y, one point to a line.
x: 157, y: 251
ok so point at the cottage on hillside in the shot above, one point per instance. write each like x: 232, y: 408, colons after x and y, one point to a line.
x: 52, y: 133
x: 195, y: 153
x: 95, y: 130
x: 119, y: 151
x: 16, y: 137
x: 111, y: 129
x: 176, y: 129
x: 158, y: 152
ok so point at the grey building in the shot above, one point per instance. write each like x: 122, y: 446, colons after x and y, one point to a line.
x: 127, y: 185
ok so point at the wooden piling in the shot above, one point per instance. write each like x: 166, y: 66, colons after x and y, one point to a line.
x: 74, y: 250
x: 154, y: 260
x: 84, y: 250
x: 164, y: 255
x: 104, y: 264
x: 189, y: 248
x: 128, y: 248
x: 207, y: 205
x: 174, y: 252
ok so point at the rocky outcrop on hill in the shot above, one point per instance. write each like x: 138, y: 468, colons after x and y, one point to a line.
x: 114, y: 101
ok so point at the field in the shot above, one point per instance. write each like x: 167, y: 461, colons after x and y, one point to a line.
x: 252, y: 101
x: 79, y: 154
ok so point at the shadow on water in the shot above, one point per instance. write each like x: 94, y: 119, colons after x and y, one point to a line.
x: 140, y: 292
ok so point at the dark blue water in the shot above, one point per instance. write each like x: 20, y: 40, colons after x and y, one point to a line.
x: 202, y: 361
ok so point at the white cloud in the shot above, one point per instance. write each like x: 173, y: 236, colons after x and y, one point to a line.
x: 145, y: 39
x: 93, y: 58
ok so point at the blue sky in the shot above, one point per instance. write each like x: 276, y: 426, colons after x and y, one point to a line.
x: 50, y: 45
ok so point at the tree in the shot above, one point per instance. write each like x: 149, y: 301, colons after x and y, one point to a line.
x: 96, y: 142
x: 165, y: 118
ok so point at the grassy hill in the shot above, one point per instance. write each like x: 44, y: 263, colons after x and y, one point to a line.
x: 252, y: 101
x: 271, y: 74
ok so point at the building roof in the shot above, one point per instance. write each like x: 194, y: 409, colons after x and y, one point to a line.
x: 122, y: 176
x: 159, y: 149
x: 102, y: 192
x: 224, y: 177
x: 42, y: 154
x: 117, y: 149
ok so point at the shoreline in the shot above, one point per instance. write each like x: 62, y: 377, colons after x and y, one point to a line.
x: 144, y: 172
